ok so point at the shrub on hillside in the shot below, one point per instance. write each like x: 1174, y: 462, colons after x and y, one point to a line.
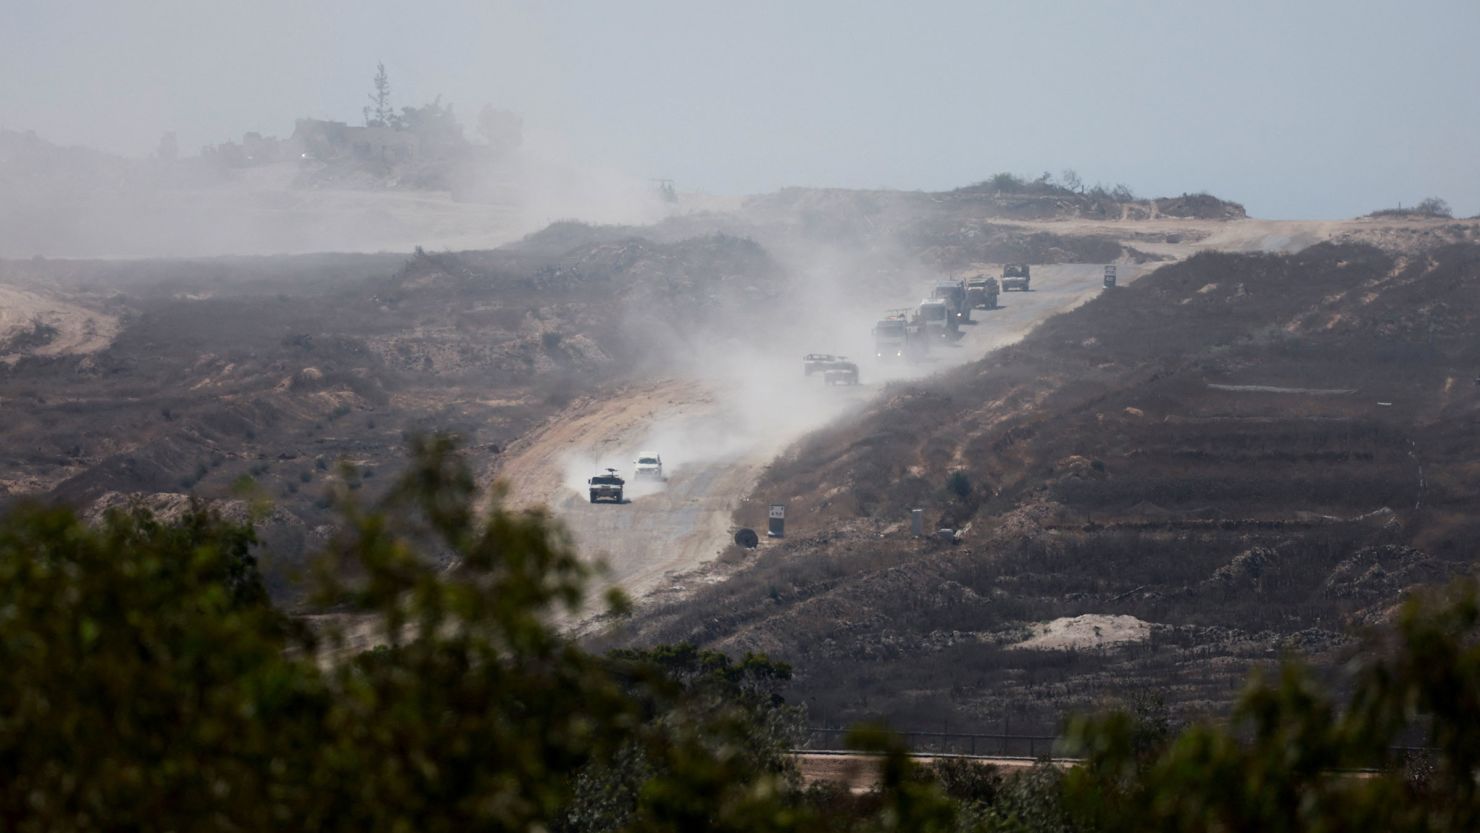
x: 1427, y: 207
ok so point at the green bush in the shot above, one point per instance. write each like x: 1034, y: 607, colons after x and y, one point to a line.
x: 149, y: 685
x: 1277, y: 765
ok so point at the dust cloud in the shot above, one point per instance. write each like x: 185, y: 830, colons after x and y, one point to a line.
x: 746, y: 362
x: 74, y: 202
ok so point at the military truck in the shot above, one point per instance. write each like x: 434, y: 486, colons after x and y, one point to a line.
x: 841, y: 373
x: 954, y: 294
x: 1015, y: 276
x: 606, y: 487
x: 981, y: 293
x: 899, y: 335
x: 937, y: 320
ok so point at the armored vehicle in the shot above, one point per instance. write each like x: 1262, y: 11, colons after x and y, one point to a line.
x: 1015, y: 276
x: 953, y: 293
x: 606, y: 487
x: 981, y: 293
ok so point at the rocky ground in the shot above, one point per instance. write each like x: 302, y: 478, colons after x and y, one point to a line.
x: 1250, y: 449
x: 1235, y: 457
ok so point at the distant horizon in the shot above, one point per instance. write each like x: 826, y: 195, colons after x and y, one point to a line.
x: 1325, y: 110
x: 1139, y: 195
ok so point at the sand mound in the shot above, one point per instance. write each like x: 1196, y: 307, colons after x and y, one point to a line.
x: 1092, y: 630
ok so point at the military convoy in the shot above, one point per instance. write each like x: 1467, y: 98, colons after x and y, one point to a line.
x: 907, y: 333
x: 608, y: 486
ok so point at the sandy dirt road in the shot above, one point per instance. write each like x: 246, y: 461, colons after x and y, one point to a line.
x: 860, y: 772
x: 66, y: 328
x: 716, y: 434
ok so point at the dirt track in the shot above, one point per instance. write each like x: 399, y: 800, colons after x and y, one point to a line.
x: 859, y: 772
x: 717, y: 434
x: 75, y: 330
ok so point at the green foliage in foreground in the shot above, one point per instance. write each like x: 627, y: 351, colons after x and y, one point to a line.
x: 148, y: 685
x: 145, y: 684
x: 1297, y: 757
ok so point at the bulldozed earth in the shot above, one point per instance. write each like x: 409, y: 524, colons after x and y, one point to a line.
x: 1254, y: 444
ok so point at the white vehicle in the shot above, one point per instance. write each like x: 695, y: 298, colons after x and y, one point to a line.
x: 648, y: 466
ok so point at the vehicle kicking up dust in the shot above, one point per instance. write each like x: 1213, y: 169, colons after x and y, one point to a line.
x: 718, y: 433
x: 606, y: 487
x: 648, y: 466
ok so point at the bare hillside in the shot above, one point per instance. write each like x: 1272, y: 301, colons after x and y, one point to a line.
x: 1234, y: 456
x: 183, y: 377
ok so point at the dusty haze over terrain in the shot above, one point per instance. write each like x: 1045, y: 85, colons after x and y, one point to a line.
x: 569, y: 233
x: 1321, y: 109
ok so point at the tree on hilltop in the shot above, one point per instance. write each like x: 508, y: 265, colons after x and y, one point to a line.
x: 380, y: 113
x: 1433, y: 207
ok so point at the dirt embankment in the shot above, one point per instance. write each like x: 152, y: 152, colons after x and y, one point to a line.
x: 202, y: 372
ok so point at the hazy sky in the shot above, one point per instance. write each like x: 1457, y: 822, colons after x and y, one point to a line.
x: 1297, y: 109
